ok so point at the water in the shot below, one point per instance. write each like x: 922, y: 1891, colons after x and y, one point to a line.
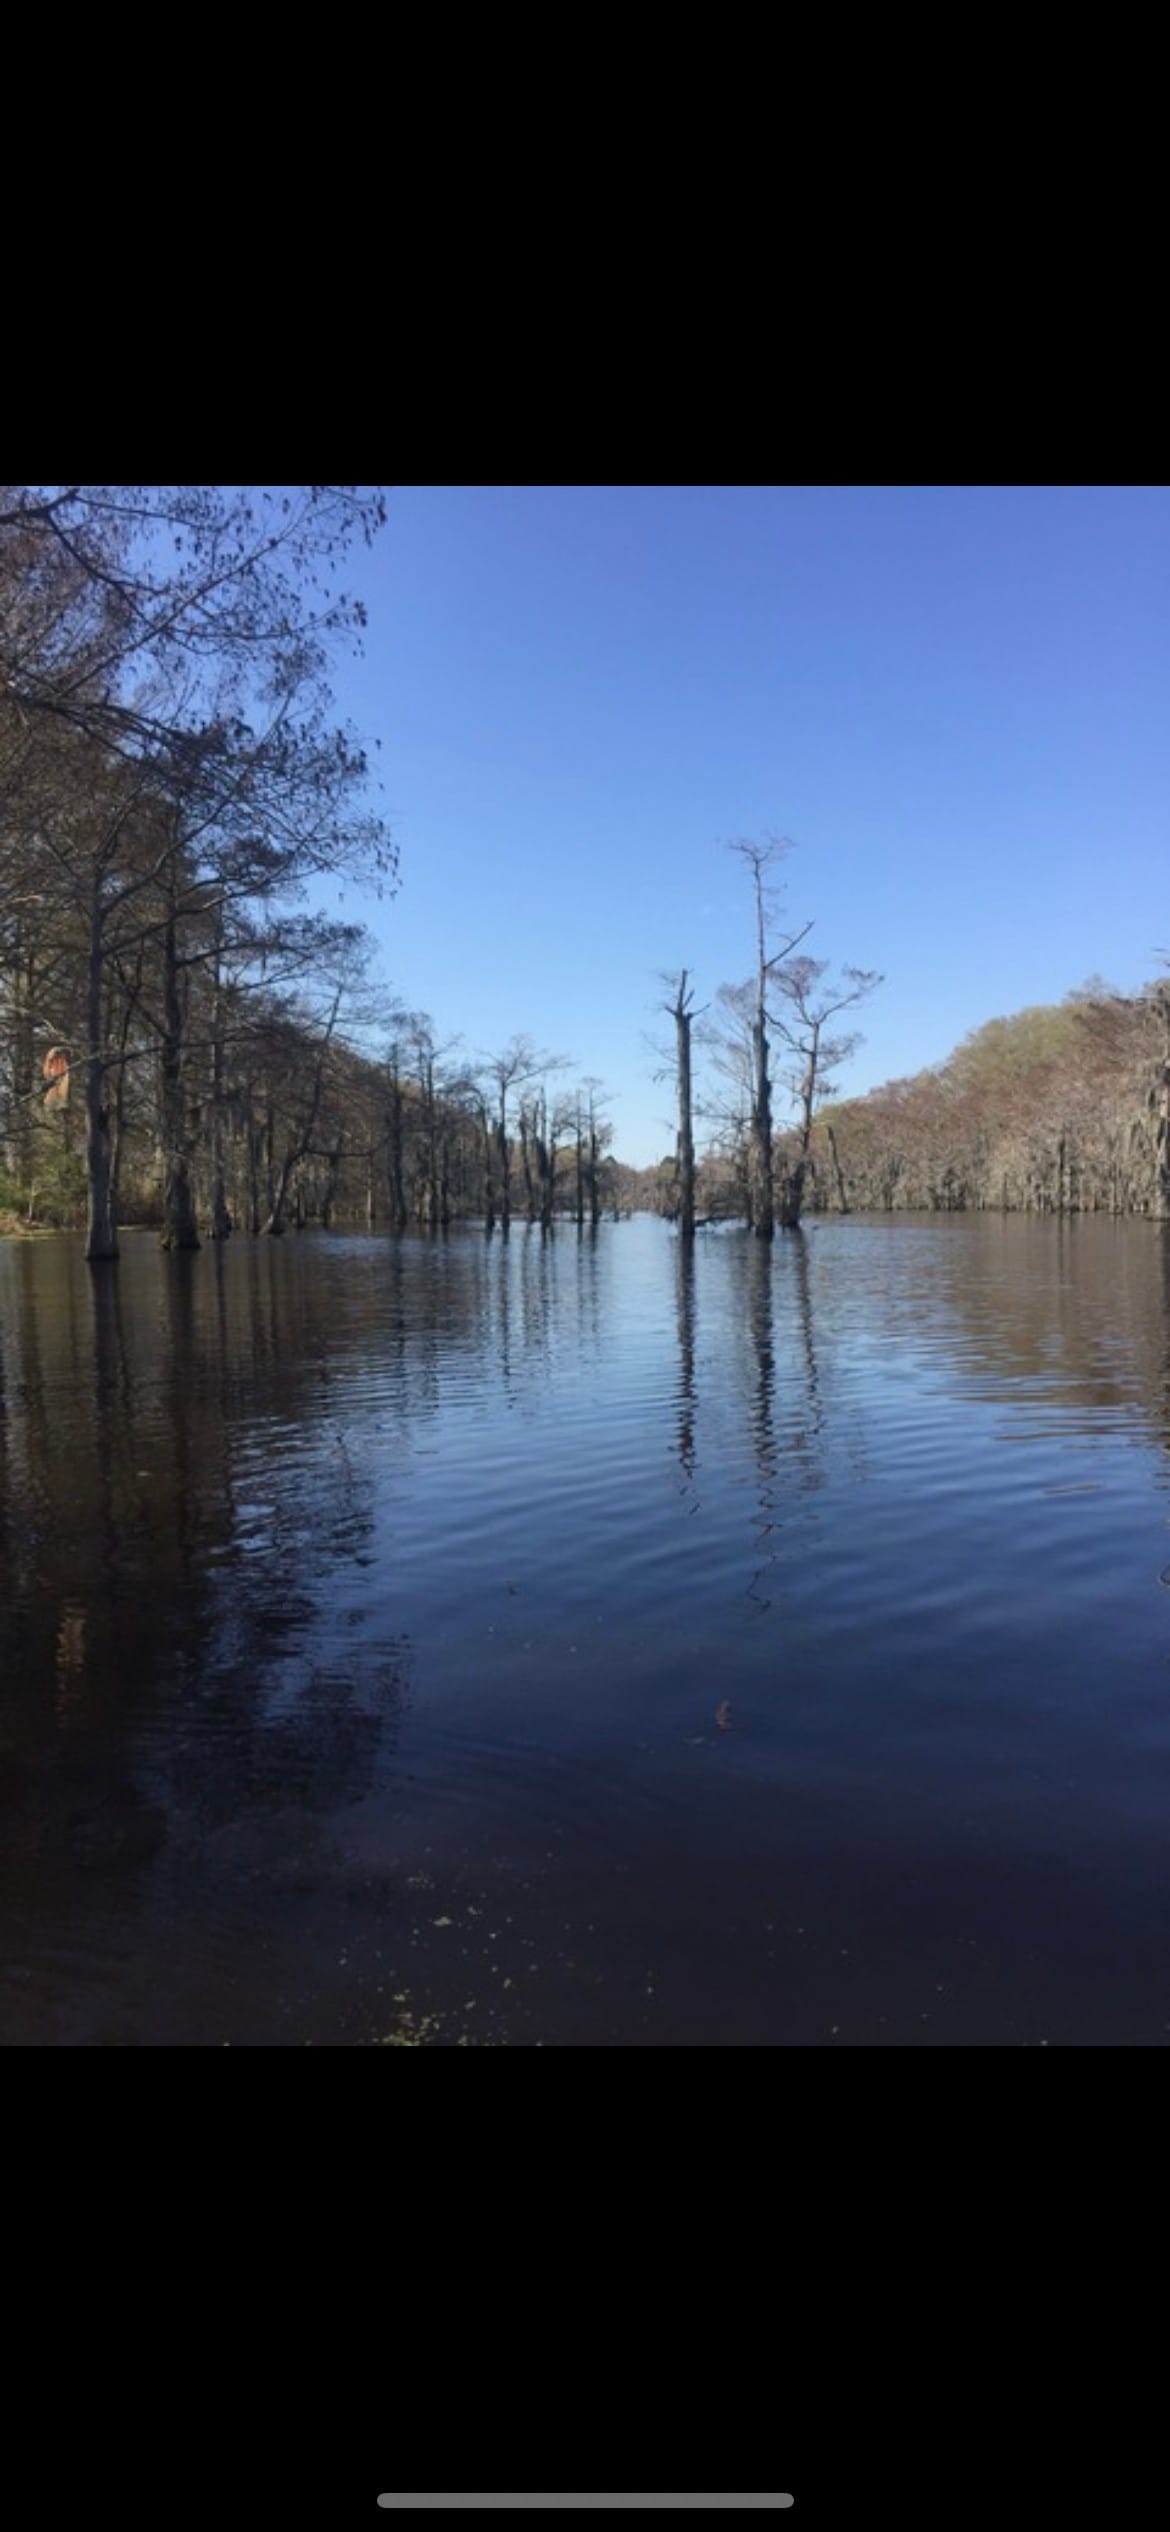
x: 559, y: 1642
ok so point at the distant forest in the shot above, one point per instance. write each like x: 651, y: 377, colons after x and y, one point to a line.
x: 1059, y: 1109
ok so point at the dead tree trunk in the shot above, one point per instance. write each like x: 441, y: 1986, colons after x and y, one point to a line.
x: 763, y: 1206
x: 682, y: 1012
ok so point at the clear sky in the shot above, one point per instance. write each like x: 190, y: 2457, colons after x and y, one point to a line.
x: 953, y: 701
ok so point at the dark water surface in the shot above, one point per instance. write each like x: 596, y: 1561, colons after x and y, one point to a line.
x: 366, y: 1609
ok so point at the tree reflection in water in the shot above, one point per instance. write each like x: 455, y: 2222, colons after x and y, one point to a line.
x: 376, y: 1597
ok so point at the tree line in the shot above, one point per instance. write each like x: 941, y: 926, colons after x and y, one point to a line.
x: 1063, y: 1108
x: 184, y: 1037
x: 187, y: 1039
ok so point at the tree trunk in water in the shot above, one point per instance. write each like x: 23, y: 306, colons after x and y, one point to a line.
x: 119, y: 1118
x: 793, y: 1197
x: 546, y: 1165
x: 763, y: 1202
x: 101, y: 1239
x: 795, y: 1178
x: 253, y: 1168
x: 489, y: 1184
x: 20, y: 1147
x: 530, y: 1203
x: 837, y: 1171
x: 179, y: 1225
x: 274, y: 1226
x: 763, y: 1197
x: 329, y: 1193
x: 686, y: 1130
x: 221, y: 1220
x: 398, y: 1214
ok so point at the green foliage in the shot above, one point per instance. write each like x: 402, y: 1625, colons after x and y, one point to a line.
x: 54, y: 1193
x: 1002, y: 1050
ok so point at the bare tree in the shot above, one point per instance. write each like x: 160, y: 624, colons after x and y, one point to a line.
x: 312, y: 1043
x: 593, y: 1134
x: 800, y: 1022
x: 681, y: 1008
x: 726, y: 1108
x: 438, y: 1085
x: 517, y: 1064
x: 541, y: 1120
x: 132, y: 595
x: 760, y: 860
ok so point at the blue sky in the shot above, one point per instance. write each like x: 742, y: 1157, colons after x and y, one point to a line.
x: 954, y: 701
